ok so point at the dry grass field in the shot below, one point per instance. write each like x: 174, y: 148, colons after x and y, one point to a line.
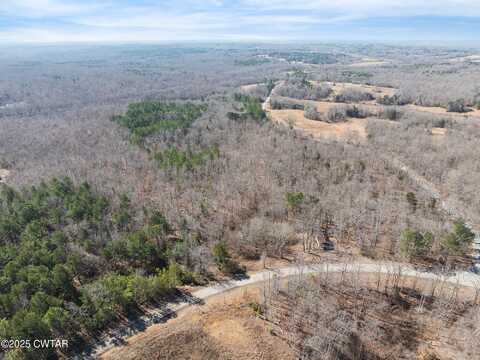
x: 338, y: 87
x: 369, y: 62
x: 319, y: 129
x: 224, y: 328
x: 352, y: 127
x: 4, y: 173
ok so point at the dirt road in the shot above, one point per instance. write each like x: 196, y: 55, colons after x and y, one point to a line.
x: 464, y: 279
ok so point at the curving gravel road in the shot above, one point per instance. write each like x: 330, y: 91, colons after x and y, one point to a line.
x: 464, y: 279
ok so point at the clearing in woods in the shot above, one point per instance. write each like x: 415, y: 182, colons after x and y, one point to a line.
x: 224, y: 328
x: 470, y: 58
x: 320, y: 129
x: 352, y: 127
x: 227, y: 325
x: 3, y: 175
x: 362, y: 61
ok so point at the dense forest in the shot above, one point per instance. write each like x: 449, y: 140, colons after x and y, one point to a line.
x: 72, y: 261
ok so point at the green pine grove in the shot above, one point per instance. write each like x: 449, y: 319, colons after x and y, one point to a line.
x: 73, y: 261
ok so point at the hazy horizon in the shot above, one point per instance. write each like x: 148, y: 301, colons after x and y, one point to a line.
x: 154, y: 21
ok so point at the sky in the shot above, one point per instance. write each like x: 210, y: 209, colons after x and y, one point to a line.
x: 124, y: 21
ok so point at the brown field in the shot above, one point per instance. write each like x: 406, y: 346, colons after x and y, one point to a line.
x: 472, y: 58
x: 379, y: 91
x: 438, y: 136
x: 338, y: 87
x: 295, y: 118
x: 224, y: 328
x: 390, y: 91
x: 366, y: 61
x: 369, y: 63
x: 249, y: 88
x: 441, y: 111
x: 353, y: 127
x: 3, y: 175
x: 439, y: 131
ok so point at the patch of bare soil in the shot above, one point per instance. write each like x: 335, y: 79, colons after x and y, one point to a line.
x: 224, y: 328
x: 353, y: 128
x: 3, y: 175
x: 438, y: 136
x: 249, y: 88
x: 441, y: 111
x: 369, y: 62
x: 339, y: 87
x: 470, y: 58
x: 373, y: 106
x: 439, y: 131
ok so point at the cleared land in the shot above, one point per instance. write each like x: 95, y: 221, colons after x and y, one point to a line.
x: 371, y: 62
x: 224, y: 328
x: 441, y: 111
x: 377, y: 91
x: 439, y: 131
x: 3, y: 175
x: 338, y: 87
x: 296, y: 118
x: 227, y: 328
x: 470, y: 58
x: 320, y: 129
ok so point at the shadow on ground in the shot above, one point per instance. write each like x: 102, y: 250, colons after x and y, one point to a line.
x: 137, y: 321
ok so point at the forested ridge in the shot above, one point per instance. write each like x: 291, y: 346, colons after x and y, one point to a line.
x: 50, y: 288
x: 174, y: 173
